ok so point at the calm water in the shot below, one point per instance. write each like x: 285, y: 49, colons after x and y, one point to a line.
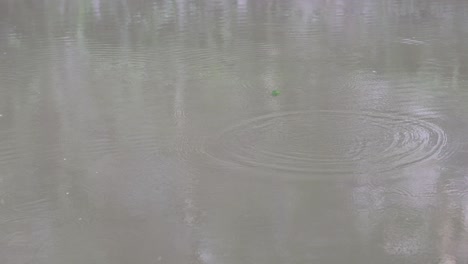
x: 145, y: 131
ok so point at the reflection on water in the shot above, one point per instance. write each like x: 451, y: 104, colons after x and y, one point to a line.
x: 145, y: 131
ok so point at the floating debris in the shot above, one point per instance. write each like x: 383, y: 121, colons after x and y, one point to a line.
x: 275, y: 93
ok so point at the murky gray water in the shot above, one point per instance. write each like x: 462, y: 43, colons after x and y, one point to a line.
x: 146, y: 131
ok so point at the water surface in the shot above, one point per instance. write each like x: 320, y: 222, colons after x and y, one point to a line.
x: 146, y: 131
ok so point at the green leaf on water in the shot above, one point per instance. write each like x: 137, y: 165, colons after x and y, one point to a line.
x: 275, y: 93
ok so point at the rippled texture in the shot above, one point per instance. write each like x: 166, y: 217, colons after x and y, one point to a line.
x: 145, y: 131
x: 335, y: 142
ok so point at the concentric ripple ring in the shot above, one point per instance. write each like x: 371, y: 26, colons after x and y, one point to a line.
x: 329, y: 142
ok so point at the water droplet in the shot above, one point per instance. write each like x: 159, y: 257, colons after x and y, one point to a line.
x: 64, y: 159
x: 97, y: 172
x: 1, y: 115
x: 374, y: 71
x: 67, y: 193
x: 79, y: 219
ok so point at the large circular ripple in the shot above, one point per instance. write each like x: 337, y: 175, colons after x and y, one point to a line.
x: 329, y: 142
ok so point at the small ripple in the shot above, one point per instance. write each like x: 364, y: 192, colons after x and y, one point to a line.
x: 143, y: 141
x: 101, y: 146
x: 9, y: 151
x: 329, y: 142
x: 412, y: 41
x: 8, y: 154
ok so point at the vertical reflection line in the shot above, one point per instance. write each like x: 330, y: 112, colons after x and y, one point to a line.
x: 284, y: 219
x: 97, y: 8
x: 450, y: 211
x: 187, y: 182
